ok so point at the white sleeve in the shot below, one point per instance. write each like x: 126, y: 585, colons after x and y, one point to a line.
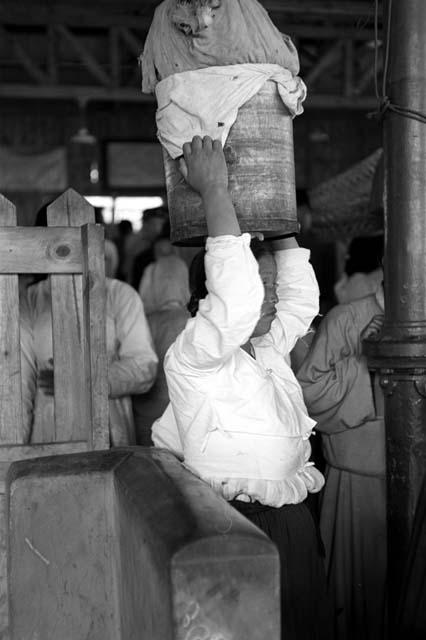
x: 165, y: 433
x: 298, y: 298
x: 135, y: 369
x: 227, y: 316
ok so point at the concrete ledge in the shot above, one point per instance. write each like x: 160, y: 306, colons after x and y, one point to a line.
x: 127, y: 544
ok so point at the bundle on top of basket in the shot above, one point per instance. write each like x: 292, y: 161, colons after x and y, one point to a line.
x: 221, y: 68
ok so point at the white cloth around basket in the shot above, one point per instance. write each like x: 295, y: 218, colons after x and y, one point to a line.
x: 206, y: 101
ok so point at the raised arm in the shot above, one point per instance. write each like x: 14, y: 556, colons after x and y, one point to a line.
x: 298, y: 294
x: 229, y: 313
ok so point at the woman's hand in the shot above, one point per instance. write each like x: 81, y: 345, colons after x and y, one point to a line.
x: 204, y: 168
x: 203, y: 165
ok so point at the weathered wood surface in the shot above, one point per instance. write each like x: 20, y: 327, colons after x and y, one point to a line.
x: 127, y: 544
x: 10, y: 368
x: 78, y: 308
x: 39, y: 250
x: 70, y: 350
x: 94, y: 317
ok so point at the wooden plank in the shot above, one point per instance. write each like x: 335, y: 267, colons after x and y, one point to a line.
x: 11, y: 425
x: 40, y: 250
x: 327, y: 8
x: 4, y: 617
x: 95, y: 315
x: 75, y: 91
x: 72, y: 392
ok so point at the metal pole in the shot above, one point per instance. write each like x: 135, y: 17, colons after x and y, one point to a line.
x: 400, y: 353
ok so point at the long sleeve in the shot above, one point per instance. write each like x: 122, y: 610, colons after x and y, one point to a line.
x: 227, y: 316
x: 134, y: 366
x: 298, y: 300
x: 334, y: 375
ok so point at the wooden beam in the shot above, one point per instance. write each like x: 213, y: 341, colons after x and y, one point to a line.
x: 123, y: 94
x: 89, y: 60
x: 74, y: 92
x: 324, y: 8
x: 330, y: 57
x: 24, y: 58
x: 81, y: 17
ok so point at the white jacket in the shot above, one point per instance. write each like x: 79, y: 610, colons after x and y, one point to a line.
x: 239, y: 423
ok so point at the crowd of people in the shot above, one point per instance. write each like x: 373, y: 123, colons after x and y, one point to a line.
x: 227, y: 364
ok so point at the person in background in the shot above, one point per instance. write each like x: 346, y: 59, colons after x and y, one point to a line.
x: 345, y: 399
x: 111, y: 251
x: 237, y: 417
x: 124, y: 231
x: 164, y: 290
x: 155, y: 225
x: 153, y: 221
x: 132, y: 361
x: 363, y: 270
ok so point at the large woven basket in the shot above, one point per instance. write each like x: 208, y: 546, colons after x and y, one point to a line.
x: 348, y: 205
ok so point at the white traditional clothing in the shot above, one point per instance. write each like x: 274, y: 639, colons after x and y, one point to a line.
x: 241, y: 423
x: 339, y: 394
x: 164, y: 289
x: 132, y: 361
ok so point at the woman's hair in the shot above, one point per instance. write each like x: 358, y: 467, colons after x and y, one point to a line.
x: 197, y: 274
x: 365, y: 254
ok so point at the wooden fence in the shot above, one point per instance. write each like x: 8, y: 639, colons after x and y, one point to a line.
x: 71, y: 250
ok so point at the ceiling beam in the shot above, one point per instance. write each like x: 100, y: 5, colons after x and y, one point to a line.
x: 132, y: 15
x: 327, y: 8
x: 103, y: 94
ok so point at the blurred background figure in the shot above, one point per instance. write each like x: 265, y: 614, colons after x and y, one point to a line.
x: 138, y: 246
x: 363, y: 269
x: 124, y: 232
x: 164, y: 289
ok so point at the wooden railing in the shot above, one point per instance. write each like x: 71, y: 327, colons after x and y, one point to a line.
x: 71, y: 250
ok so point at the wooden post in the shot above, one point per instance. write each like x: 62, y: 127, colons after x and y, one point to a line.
x: 400, y: 354
x: 74, y: 255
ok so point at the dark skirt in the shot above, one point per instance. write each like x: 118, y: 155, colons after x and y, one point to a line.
x: 306, y: 612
